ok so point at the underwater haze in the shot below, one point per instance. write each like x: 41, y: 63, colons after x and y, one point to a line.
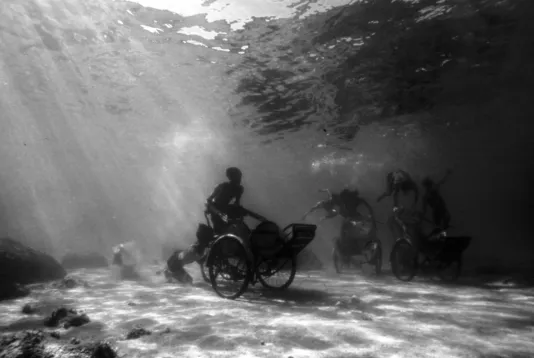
x: 117, y: 120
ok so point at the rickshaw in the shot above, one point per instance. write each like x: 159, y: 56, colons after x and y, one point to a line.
x: 241, y: 257
x: 358, y: 238
x: 439, y: 251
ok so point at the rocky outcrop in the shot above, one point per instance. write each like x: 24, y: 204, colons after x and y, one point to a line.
x: 68, y: 283
x: 66, y: 318
x: 20, y: 264
x: 35, y: 344
x: 26, y: 344
x: 73, y: 261
x: 138, y: 332
x: 9, y: 291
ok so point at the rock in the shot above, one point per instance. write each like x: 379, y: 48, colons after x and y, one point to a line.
x: 66, y: 318
x: 28, y: 344
x: 35, y: 344
x: 10, y: 291
x: 28, y: 309
x: 103, y: 350
x: 20, y: 264
x: 73, y: 261
x: 132, y: 304
x: 93, y: 350
x: 137, y: 333
x: 353, y: 302
x: 70, y: 282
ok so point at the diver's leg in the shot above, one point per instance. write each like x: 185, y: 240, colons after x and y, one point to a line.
x: 189, y: 256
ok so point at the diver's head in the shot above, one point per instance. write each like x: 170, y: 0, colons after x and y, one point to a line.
x: 234, y: 175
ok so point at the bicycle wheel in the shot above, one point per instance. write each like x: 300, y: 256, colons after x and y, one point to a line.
x: 404, y: 261
x: 229, y: 267
x: 285, y: 268
x: 204, y: 270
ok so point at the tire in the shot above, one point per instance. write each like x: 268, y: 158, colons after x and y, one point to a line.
x: 263, y: 274
x: 228, y: 256
x: 398, y: 254
x: 456, y: 263
x: 204, y: 270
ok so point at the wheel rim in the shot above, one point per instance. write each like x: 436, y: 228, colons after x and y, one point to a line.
x: 205, y: 271
x: 278, y: 273
x: 404, y: 261
x: 229, y: 272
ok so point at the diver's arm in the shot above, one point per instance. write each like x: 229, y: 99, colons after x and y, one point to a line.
x: 255, y: 215
x: 317, y: 206
x: 216, y: 192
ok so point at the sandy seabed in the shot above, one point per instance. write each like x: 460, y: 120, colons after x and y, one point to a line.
x: 321, y: 315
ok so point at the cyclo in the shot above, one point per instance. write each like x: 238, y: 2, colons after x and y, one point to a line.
x: 439, y: 251
x: 242, y: 256
x: 358, y: 237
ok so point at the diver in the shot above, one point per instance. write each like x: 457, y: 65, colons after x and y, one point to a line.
x: 332, y: 205
x: 351, y: 202
x: 432, y: 199
x: 219, y: 202
x: 397, y: 181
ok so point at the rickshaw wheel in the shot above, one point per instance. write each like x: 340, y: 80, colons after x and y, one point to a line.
x: 268, y: 267
x: 229, y: 267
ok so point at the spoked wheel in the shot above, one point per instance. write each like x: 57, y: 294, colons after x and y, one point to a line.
x: 373, y: 255
x: 277, y: 273
x: 229, y: 268
x: 404, y: 261
x: 450, y: 270
x: 204, y: 269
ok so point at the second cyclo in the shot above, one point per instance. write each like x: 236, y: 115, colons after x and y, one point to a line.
x: 435, y: 251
